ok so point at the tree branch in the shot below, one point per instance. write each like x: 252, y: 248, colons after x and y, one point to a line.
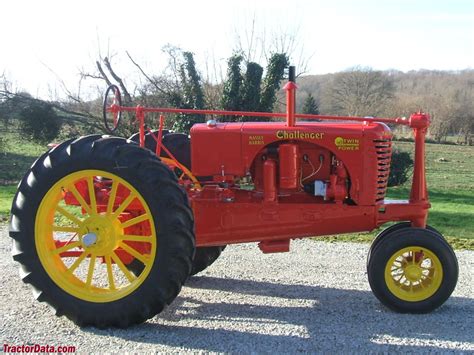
x: 152, y: 82
x: 101, y: 71
x: 126, y: 95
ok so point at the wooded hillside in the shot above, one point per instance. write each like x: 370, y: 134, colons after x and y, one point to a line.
x: 447, y: 96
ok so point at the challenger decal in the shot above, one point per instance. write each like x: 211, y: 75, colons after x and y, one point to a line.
x: 346, y: 143
x: 298, y: 135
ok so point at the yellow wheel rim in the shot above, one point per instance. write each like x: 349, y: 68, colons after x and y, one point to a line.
x: 413, y: 274
x: 81, y: 245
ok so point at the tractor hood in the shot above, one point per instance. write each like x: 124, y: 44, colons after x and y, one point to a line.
x: 230, y: 148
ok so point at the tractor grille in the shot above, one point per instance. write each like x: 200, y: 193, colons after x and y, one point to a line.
x: 383, y: 148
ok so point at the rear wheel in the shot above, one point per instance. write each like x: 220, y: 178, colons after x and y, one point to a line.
x: 178, y: 144
x: 205, y: 256
x: 85, y: 210
x: 413, y: 270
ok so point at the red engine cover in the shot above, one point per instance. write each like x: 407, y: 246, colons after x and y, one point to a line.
x: 217, y: 150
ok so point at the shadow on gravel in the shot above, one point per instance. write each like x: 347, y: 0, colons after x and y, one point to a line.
x: 335, y: 320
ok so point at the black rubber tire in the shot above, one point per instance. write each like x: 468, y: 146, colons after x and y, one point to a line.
x: 168, y: 204
x: 204, y: 257
x: 389, y: 230
x: 150, y: 142
x: 397, y: 240
x: 180, y: 146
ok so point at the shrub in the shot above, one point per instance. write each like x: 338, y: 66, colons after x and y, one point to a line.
x: 400, y: 167
x: 39, y: 122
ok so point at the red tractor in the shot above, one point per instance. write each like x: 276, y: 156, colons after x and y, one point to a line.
x: 107, y: 229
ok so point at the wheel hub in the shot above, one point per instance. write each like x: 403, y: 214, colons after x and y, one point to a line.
x: 100, y: 234
x: 413, y: 273
x: 89, y: 239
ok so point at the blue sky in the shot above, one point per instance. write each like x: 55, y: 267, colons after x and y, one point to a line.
x: 50, y: 39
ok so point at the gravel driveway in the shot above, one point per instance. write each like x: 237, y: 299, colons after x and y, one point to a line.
x: 314, y: 299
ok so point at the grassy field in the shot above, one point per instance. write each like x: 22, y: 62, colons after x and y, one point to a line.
x: 450, y: 174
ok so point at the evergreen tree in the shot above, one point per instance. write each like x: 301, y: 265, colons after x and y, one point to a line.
x: 310, y: 106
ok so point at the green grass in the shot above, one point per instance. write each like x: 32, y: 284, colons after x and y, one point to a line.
x: 14, y: 162
x: 449, y: 168
x: 450, y: 177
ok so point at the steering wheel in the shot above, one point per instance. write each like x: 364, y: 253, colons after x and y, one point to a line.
x: 112, y: 105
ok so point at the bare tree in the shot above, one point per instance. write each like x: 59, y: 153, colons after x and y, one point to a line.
x: 359, y: 92
x: 258, y: 44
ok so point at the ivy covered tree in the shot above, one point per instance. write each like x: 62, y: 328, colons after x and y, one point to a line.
x: 310, y: 105
x: 271, y: 84
x: 231, y: 95
x: 251, y: 88
x: 248, y: 92
x: 191, y: 95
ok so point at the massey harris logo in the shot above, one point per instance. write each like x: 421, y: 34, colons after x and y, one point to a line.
x: 346, y: 143
x: 298, y: 135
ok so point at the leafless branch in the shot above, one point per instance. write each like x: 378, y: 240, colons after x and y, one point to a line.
x: 150, y: 80
x: 69, y: 94
x: 102, y: 73
x: 126, y: 95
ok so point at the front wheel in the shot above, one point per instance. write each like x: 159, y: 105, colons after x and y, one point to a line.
x: 413, y: 270
x: 389, y: 230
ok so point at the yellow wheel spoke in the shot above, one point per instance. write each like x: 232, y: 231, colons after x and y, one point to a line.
x: 110, y: 274
x: 79, y: 260
x: 79, y: 198
x: 401, y: 276
x: 68, y: 215
x: 62, y: 230
x: 137, y: 238
x: 66, y: 247
x: 90, y: 186
x: 65, y: 229
x: 122, y: 267
x: 144, y: 259
x: 419, y: 261
x: 124, y: 204
x: 135, y: 220
x: 90, y: 272
x: 113, y: 194
x: 419, y: 276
